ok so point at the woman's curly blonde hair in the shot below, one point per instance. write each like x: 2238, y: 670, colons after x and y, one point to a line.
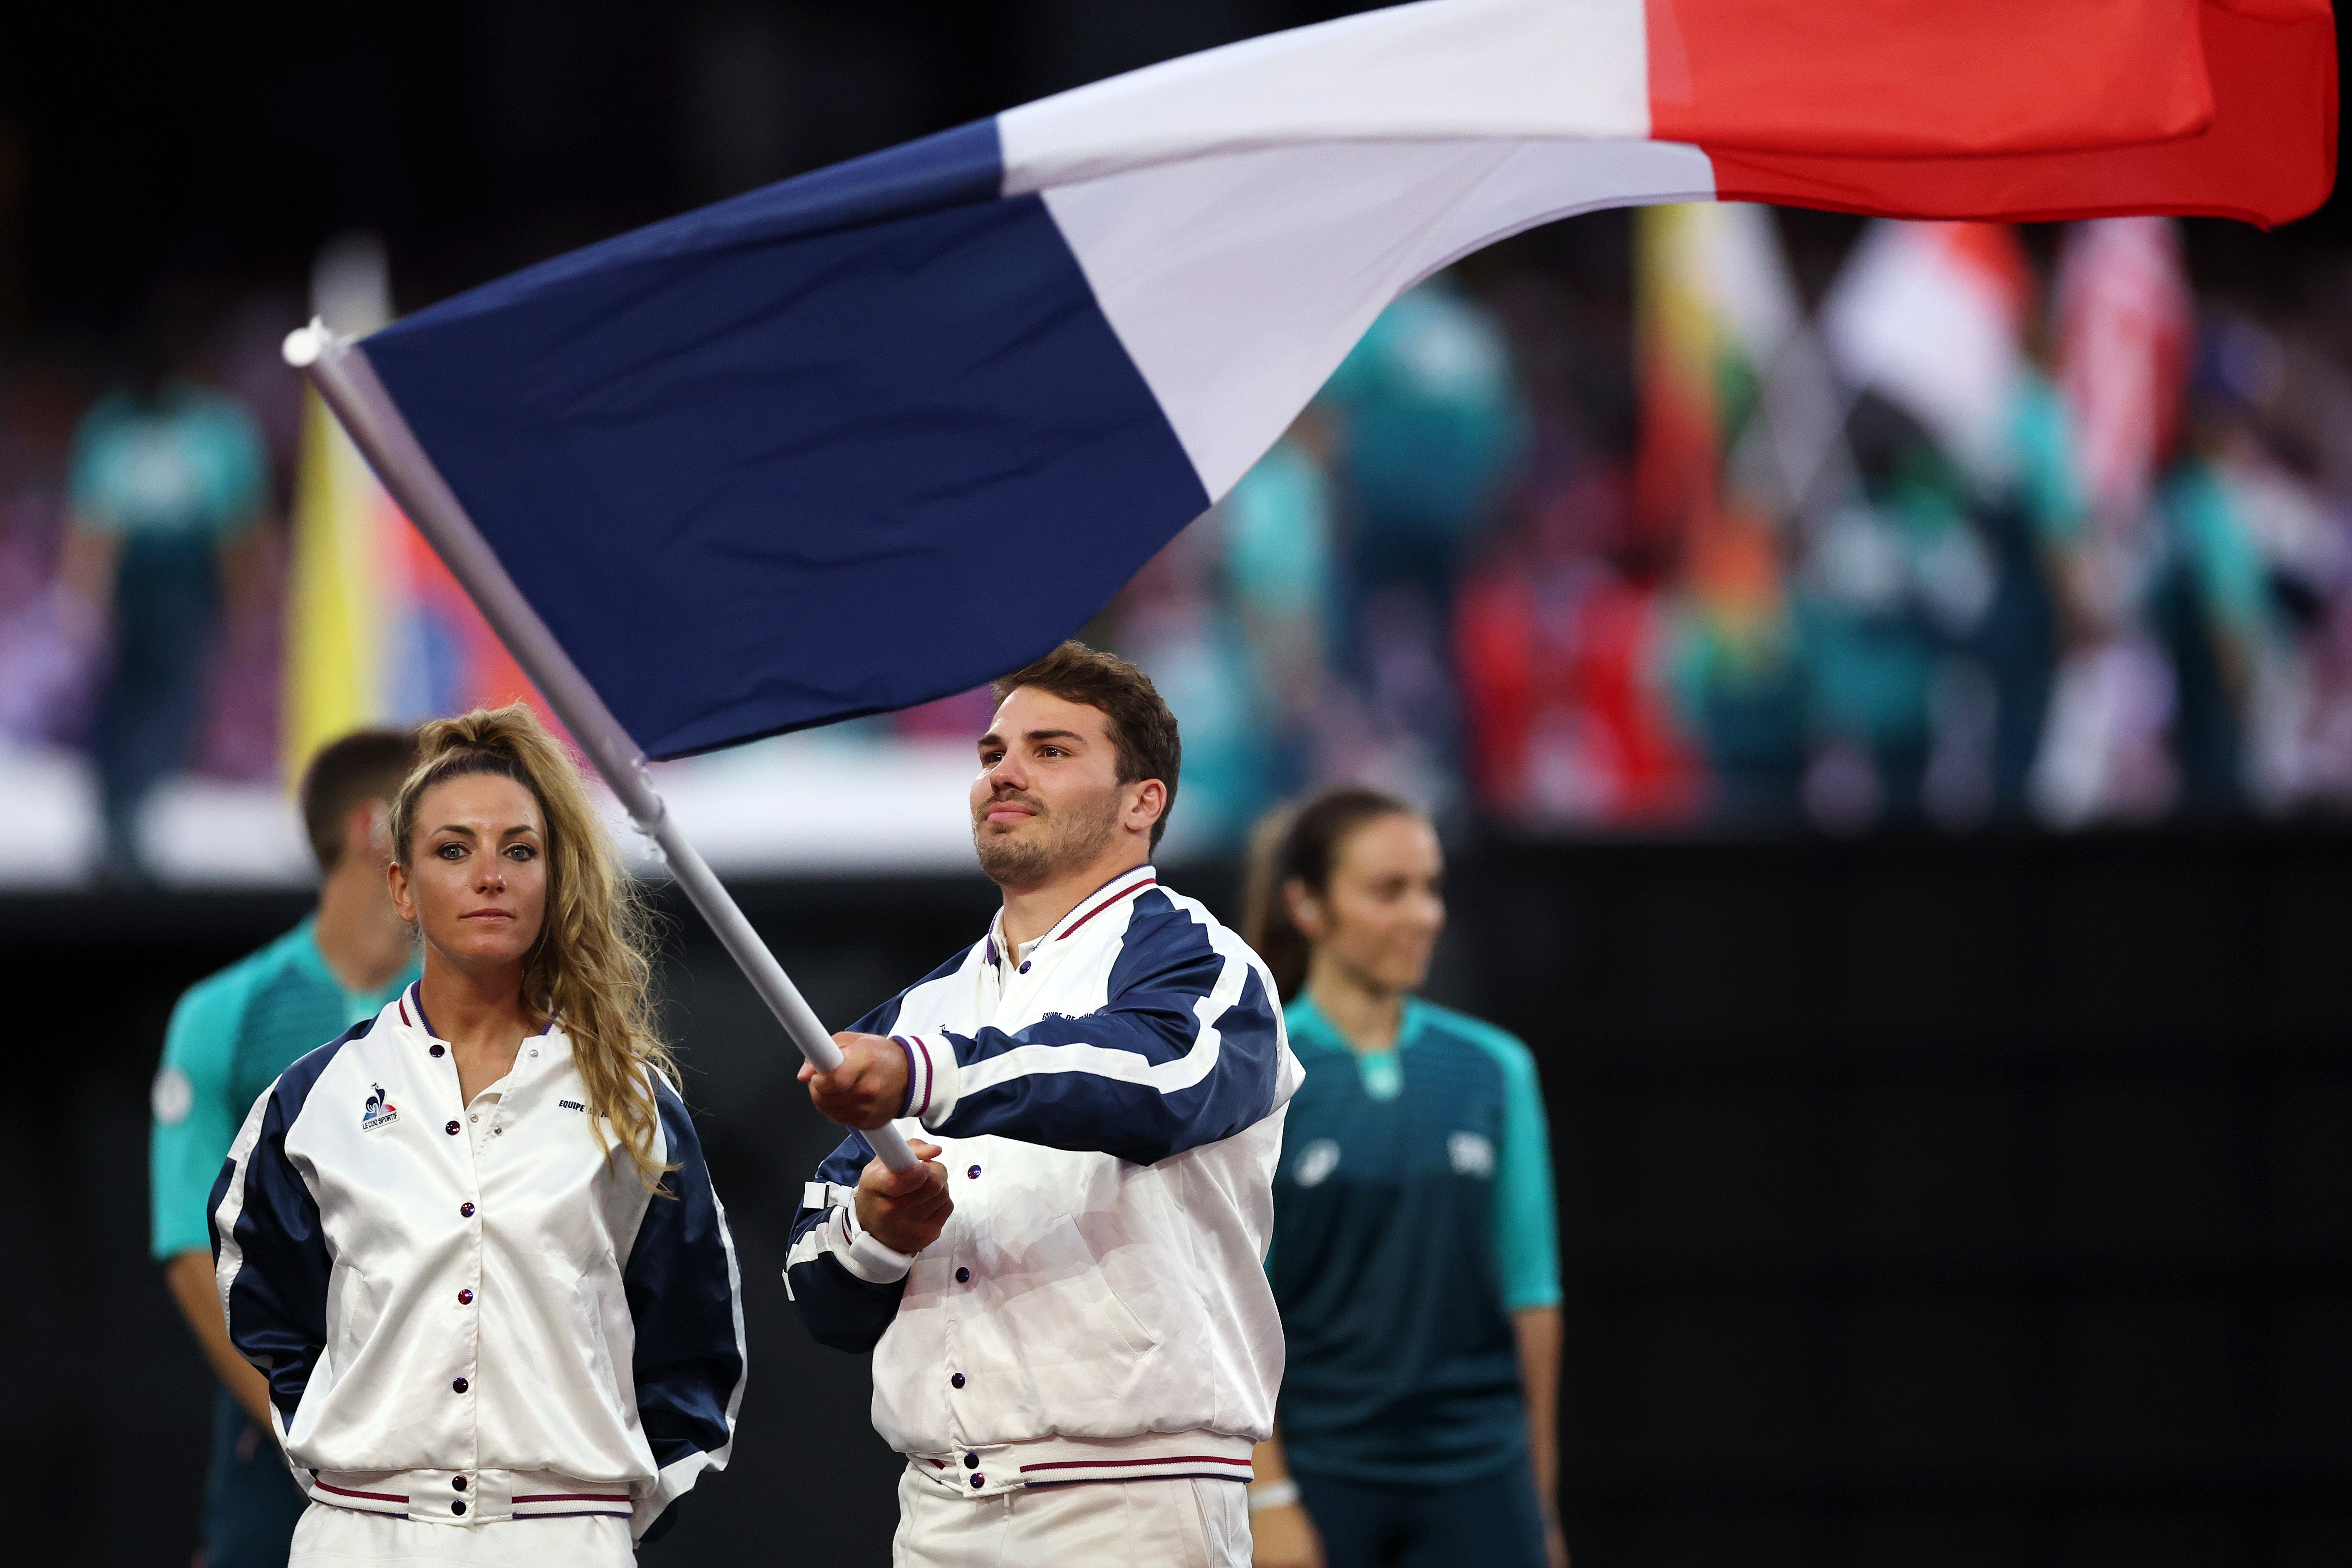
x: 591, y: 970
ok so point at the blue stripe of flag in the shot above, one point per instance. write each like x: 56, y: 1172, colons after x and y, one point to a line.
x: 851, y: 442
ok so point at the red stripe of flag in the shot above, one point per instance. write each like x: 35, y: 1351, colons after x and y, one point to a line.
x: 1898, y: 78
x: 2269, y: 156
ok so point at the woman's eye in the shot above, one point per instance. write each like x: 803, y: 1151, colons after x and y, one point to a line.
x: 521, y: 852
x: 451, y: 851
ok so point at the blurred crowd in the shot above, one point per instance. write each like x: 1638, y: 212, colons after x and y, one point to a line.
x: 1977, y: 525
x: 142, y: 549
x: 1986, y: 525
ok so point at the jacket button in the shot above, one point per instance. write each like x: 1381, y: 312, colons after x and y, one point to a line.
x: 973, y: 1173
x: 465, y: 1299
x: 971, y: 1461
x: 978, y: 1480
x: 457, y: 1507
x: 435, y: 1051
x: 451, y: 1129
x: 459, y: 1385
x: 457, y: 1482
x: 963, y: 1276
x: 1024, y: 969
x: 465, y: 1210
x: 955, y: 1382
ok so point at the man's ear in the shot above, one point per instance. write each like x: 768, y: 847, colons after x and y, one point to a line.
x: 1149, y: 804
x: 361, y: 838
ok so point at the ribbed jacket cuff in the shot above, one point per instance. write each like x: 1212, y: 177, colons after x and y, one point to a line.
x: 863, y: 1256
x: 933, y: 1077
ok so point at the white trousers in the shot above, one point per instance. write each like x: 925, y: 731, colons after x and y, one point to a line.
x: 345, y: 1538
x: 1179, y: 1524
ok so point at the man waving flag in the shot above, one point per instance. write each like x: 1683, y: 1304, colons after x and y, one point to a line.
x: 881, y: 432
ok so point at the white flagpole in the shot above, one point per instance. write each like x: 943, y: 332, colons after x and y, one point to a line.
x: 349, y: 384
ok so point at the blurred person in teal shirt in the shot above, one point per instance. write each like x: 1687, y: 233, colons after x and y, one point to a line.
x: 230, y: 1037
x: 1415, y: 1259
x: 168, y: 484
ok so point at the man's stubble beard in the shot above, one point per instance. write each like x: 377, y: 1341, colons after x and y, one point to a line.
x: 1071, y: 838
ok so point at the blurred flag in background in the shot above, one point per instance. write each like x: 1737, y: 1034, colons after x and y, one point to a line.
x: 377, y: 629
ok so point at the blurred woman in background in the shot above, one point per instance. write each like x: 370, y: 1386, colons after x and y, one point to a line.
x: 472, y: 1243
x: 1415, y: 1259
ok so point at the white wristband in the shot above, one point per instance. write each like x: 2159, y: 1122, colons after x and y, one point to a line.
x: 863, y: 1255
x: 1283, y: 1493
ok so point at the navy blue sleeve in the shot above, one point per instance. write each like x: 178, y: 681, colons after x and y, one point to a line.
x: 840, y: 1310
x: 686, y: 1306
x: 1184, y: 1052
x: 276, y: 1300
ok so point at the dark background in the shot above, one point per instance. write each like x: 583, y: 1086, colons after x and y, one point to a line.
x: 1923, y: 1201
x: 479, y: 135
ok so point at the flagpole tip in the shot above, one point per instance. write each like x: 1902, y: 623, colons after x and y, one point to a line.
x: 304, y: 345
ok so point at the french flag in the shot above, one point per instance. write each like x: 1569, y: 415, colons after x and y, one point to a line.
x: 878, y: 433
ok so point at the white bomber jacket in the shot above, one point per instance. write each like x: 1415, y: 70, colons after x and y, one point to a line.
x: 1110, y: 1105
x: 471, y: 1313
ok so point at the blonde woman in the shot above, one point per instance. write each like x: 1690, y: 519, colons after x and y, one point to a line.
x: 472, y: 1243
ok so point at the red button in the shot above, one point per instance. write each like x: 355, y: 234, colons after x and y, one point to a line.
x: 466, y: 1210
x: 465, y: 1298
x: 459, y: 1385
x: 451, y: 1129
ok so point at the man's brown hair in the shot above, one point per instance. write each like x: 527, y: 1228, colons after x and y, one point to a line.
x: 1140, y: 723
x: 346, y: 774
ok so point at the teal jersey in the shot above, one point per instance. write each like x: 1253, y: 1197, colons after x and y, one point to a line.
x: 193, y: 466
x: 1412, y: 1216
x: 230, y: 1037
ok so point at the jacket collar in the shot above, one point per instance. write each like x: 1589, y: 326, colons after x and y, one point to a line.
x: 409, y: 1008
x: 1127, y: 884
